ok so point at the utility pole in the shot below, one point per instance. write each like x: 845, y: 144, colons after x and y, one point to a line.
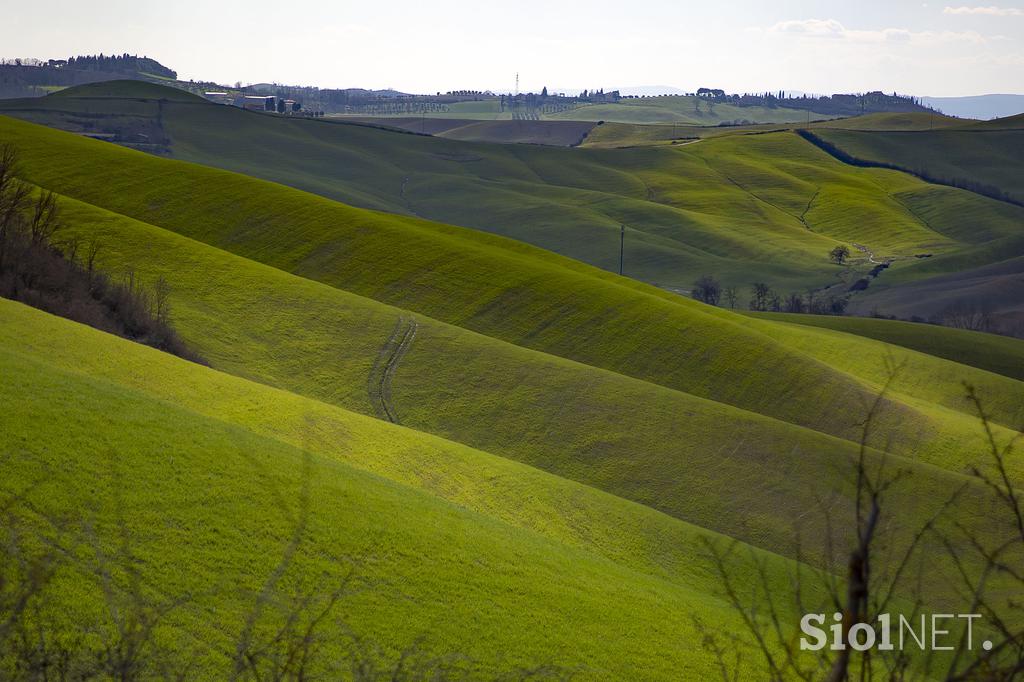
x: 515, y: 99
x: 622, y: 245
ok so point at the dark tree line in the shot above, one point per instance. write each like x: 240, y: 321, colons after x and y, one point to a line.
x: 707, y: 289
x: 122, y: 63
x: 63, y: 278
x: 833, y: 105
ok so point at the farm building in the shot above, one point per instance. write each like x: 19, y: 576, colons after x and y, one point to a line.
x: 259, y: 102
x: 218, y: 97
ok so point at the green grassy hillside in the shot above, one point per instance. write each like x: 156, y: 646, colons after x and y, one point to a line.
x: 551, y: 133
x: 681, y: 109
x: 893, y: 121
x: 987, y: 156
x: 128, y: 89
x: 993, y: 289
x: 720, y: 359
x: 670, y: 109
x: 449, y: 274
x: 612, y: 135
x: 984, y: 159
x: 687, y: 212
x: 263, y: 324
x: 1007, y: 123
x: 998, y: 354
x: 564, y: 431
x: 215, y: 466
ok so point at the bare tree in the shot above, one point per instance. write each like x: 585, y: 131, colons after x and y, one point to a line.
x: 794, y: 303
x: 761, y: 296
x: 964, y: 315
x: 707, y: 290
x: 875, y: 578
x: 44, y: 218
x: 1002, y: 558
x: 730, y: 296
x: 161, y: 305
x: 14, y: 196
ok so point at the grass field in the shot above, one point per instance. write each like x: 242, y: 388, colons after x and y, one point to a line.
x: 334, y: 243
x: 710, y: 377
x: 492, y: 395
x: 617, y: 135
x: 998, y: 354
x: 556, y: 420
x: 552, y: 133
x: 669, y: 109
x: 414, y: 516
x: 1008, y: 123
x: 983, y: 157
x: 766, y: 206
x: 986, y: 156
x: 682, y: 109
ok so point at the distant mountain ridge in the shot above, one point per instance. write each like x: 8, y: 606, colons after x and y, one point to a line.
x: 978, y: 106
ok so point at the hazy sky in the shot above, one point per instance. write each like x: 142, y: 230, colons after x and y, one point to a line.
x: 430, y: 45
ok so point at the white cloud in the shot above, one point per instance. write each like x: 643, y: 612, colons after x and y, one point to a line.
x: 833, y: 29
x: 988, y: 11
x: 810, y: 27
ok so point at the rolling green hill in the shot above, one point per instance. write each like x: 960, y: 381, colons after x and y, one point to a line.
x: 745, y: 207
x: 1009, y: 123
x: 128, y: 89
x: 414, y: 516
x: 564, y: 428
x: 492, y: 395
x: 893, y: 121
x: 628, y: 328
x: 444, y: 272
x: 667, y: 109
x: 987, y: 157
x: 998, y: 354
x: 617, y: 135
x: 984, y: 158
x: 552, y: 133
x: 681, y: 109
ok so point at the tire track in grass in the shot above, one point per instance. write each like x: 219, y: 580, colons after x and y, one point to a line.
x: 385, y: 365
x: 405, y: 197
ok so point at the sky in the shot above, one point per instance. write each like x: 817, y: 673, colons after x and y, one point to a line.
x: 928, y: 49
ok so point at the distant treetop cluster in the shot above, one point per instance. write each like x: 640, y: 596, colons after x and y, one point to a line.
x: 114, y: 64
x: 838, y: 104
